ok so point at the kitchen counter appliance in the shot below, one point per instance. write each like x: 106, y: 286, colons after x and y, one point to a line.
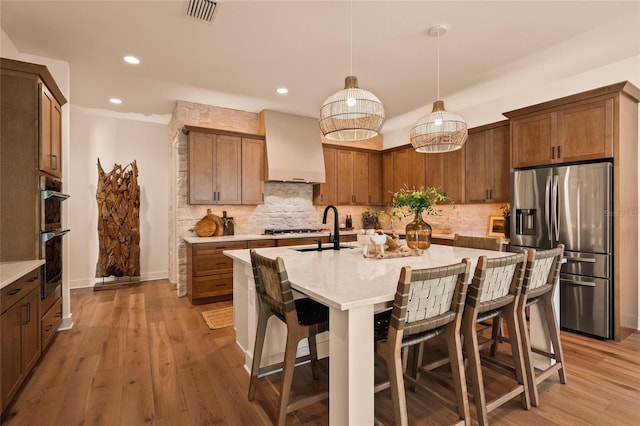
x: 51, y: 233
x: 571, y: 205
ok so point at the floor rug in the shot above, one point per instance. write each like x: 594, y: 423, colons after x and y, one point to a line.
x: 219, y: 318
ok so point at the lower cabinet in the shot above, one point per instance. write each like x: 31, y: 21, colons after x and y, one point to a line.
x: 209, y: 272
x: 20, y: 332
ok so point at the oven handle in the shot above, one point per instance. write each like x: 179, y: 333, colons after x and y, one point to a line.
x: 46, y: 236
x: 49, y: 194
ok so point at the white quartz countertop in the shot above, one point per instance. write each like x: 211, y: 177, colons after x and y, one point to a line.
x: 11, y: 271
x: 251, y: 237
x: 344, y: 279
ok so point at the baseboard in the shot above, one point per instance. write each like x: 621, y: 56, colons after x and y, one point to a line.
x: 67, y: 323
x: 90, y: 282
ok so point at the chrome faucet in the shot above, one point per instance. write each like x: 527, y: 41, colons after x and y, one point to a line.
x: 336, y: 226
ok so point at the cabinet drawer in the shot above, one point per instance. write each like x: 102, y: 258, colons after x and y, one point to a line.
x: 261, y: 243
x: 214, y: 285
x: 50, y: 322
x: 211, y: 264
x: 284, y: 242
x: 19, y: 288
x: 215, y: 248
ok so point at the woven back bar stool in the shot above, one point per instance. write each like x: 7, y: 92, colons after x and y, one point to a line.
x: 427, y: 303
x: 494, y: 290
x: 304, y: 318
x: 538, y: 287
x: 472, y: 241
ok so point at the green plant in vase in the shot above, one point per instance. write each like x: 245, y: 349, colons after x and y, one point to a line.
x: 416, y: 202
x: 369, y: 219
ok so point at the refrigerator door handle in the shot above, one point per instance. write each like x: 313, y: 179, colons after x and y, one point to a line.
x: 580, y: 260
x: 554, y: 207
x: 581, y: 283
x: 547, y: 216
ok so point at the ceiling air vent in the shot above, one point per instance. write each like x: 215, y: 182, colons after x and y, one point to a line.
x: 202, y: 10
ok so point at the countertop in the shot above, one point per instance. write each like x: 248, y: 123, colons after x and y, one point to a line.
x: 11, y: 271
x: 250, y: 237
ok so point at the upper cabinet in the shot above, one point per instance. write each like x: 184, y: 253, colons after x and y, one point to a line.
x: 487, y: 164
x: 50, y: 133
x: 446, y: 173
x: 576, y: 130
x: 327, y: 193
x: 352, y: 178
x: 253, y: 171
x: 225, y: 167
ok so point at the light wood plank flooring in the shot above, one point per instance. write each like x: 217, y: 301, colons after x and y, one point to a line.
x: 141, y: 355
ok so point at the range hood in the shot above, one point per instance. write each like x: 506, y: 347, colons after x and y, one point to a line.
x: 294, y: 148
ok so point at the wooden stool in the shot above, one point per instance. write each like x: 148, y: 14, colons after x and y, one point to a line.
x: 428, y: 302
x: 305, y: 318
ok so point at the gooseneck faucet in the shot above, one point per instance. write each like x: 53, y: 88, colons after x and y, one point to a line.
x: 336, y: 227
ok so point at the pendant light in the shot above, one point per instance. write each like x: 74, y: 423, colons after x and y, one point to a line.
x: 351, y: 114
x: 440, y: 131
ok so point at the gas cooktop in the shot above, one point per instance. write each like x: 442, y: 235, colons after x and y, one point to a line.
x: 290, y: 231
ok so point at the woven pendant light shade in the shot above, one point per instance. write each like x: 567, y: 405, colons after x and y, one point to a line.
x: 351, y: 114
x: 440, y: 131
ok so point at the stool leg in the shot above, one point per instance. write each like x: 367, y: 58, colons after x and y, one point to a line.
x: 496, y: 333
x: 313, y: 352
x: 516, y: 350
x: 475, y: 369
x: 393, y: 359
x: 288, y: 366
x: 261, y: 331
x: 554, y: 334
x: 454, y: 344
x: 527, y: 355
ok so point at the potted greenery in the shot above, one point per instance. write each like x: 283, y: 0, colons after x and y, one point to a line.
x: 413, y: 201
x: 370, y: 219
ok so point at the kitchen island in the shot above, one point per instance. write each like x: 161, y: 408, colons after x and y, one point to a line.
x: 353, y: 288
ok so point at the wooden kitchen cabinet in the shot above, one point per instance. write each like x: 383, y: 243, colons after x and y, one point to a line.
x: 576, y: 131
x: 253, y: 171
x: 214, y: 168
x: 446, y: 173
x: 353, y: 178
x: 20, y: 335
x: 375, y: 179
x: 50, y: 133
x: 253, y: 244
x: 327, y: 193
x: 487, y: 164
x: 209, y: 272
x: 387, y: 177
x: 50, y: 310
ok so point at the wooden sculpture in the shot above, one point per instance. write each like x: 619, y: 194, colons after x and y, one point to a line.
x: 118, y: 197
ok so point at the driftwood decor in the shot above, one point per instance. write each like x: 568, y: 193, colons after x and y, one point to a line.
x: 118, y: 197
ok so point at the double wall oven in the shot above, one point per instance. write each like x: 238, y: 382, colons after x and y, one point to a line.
x: 51, y: 232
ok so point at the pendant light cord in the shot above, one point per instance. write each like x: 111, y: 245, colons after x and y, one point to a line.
x: 351, y: 37
x: 438, y: 48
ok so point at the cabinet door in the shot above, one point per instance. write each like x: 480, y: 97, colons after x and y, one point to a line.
x: 375, y: 179
x: 435, y: 171
x: 11, y: 323
x: 56, y: 139
x: 345, y: 177
x: 533, y: 139
x: 360, y: 178
x: 387, y: 178
x: 326, y: 193
x: 586, y: 131
x: 228, y: 166
x: 30, y: 331
x: 453, y: 180
x: 202, y: 156
x: 478, y: 167
x: 253, y: 168
x: 416, y: 174
x: 400, y: 169
x: 501, y: 149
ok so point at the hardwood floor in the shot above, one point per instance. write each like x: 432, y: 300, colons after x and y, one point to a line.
x: 141, y: 355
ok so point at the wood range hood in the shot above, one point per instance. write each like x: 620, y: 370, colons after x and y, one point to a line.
x: 293, y: 148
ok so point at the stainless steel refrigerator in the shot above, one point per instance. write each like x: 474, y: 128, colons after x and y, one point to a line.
x: 571, y: 205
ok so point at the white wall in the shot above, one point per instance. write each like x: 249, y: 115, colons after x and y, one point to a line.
x: 116, y: 141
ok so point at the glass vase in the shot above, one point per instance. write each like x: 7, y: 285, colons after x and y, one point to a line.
x: 418, y: 233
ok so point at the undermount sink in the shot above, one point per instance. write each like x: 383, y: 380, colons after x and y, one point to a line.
x: 322, y: 248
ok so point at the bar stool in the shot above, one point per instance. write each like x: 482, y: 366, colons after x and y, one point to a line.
x: 472, y: 241
x: 304, y: 318
x: 538, y: 287
x: 494, y: 290
x: 427, y: 303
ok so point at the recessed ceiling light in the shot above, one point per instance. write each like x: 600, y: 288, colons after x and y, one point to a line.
x: 115, y: 101
x: 131, y: 60
x: 282, y: 90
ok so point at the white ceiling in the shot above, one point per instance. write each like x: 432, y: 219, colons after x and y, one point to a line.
x: 253, y: 47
